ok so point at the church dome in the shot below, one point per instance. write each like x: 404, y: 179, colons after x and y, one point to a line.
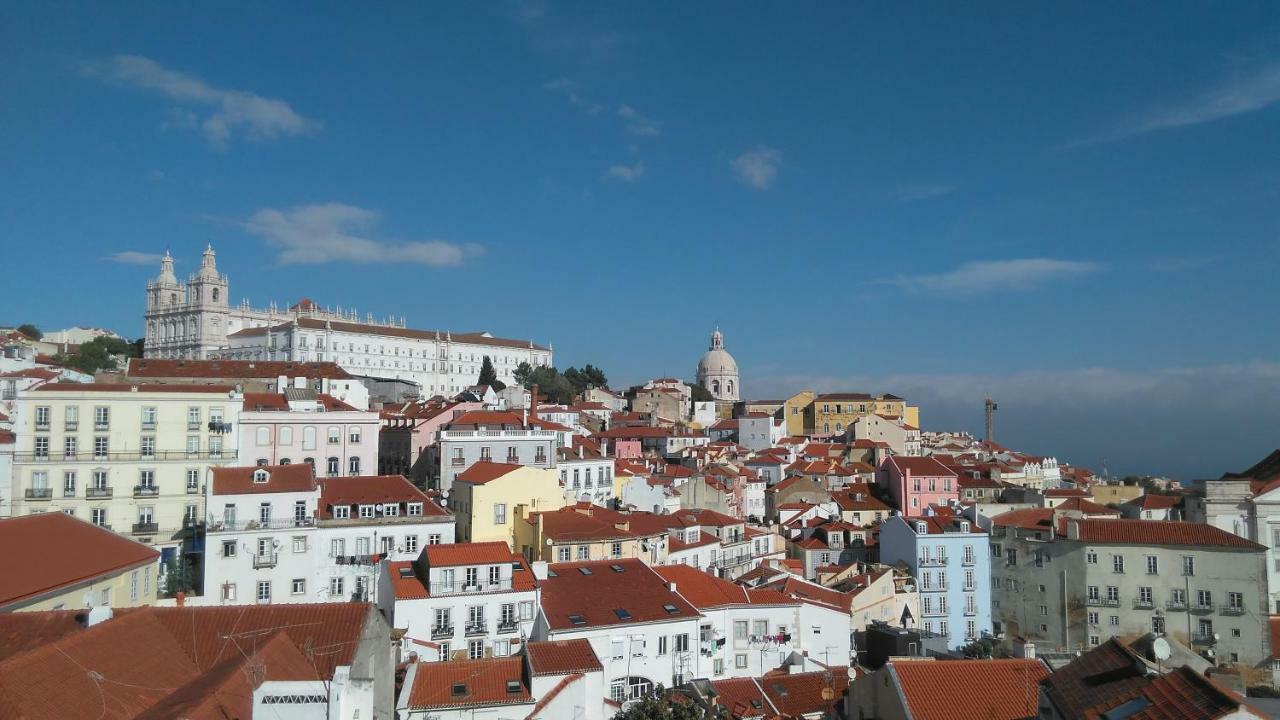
x: 717, y: 361
x: 718, y: 371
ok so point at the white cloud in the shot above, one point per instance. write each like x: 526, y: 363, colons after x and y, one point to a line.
x: 1156, y: 420
x: 625, y: 173
x: 133, y: 257
x: 638, y: 124
x: 569, y: 89
x: 973, y: 278
x: 758, y: 168
x: 335, y: 232
x: 226, y: 112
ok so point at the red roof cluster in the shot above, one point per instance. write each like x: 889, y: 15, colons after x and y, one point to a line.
x: 246, y: 369
x: 373, y: 490
x: 280, y: 479
x: 1156, y: 532
x: 966, y: 689
x: 608, y: 593
x: 467, y: 683
x: 561, y: 657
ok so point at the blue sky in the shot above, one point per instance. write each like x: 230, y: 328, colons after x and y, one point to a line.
x: 1074, y: 208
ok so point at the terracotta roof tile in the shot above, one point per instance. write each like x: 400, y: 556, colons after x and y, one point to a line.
x: 606, y: 597
x: 800, y: 694
x: 247, y: 369
x: 374, y: 490
x: 466, y: 683
x: 53, y: 550
x: 485, y: 471
x: 485, y: 553
x: 705, y: 591
x: 1158, y: 532
x: 944, y: 689
x: 561, y: 657
x: 126, y: 387
x: 280, y: 479
x: 923, y: 466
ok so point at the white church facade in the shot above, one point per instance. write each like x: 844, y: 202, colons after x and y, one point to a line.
x: 195, y: 320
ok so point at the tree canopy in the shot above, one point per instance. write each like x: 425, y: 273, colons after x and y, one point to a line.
x: 489, y: 376
x: 560, y: 388
x: 31, y: 331
x: 97, y: 354
x: 660, y: 706
x: 699, y: 393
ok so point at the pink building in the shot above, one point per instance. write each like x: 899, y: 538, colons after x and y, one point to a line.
x: 409, y: 429
x: 305, y: 426
x: 917, y: 482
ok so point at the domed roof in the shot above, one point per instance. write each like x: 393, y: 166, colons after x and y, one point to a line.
x: 716, y: 360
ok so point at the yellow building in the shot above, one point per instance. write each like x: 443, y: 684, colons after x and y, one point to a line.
x: 832, y: 412
x: 588, y: 532
x: 53, y: 561
x: 798, y: 412
x: 490, y: 500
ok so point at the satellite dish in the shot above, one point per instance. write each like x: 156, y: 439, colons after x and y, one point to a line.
x: 88, y: 599
x: 550, y: 542
x: 1161, y: 649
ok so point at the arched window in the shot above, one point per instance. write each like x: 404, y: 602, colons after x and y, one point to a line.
x: 335, y: 435
x: 826, y: 427
x: 264, y: 436
x: 715, y: 387
x: 285, y: 461
x: 173, y: 298
x: 309, y: 438
x: 215, y: 294
x: 332, y: 466
x: 729, y: 387
x: 286, y: 436
x: 353, y: 466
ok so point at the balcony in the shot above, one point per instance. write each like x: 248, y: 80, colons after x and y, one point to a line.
x: 1231, y: 610
x: 146, y: 528
x: 71, y: 425
x: 264, y: 560
x: 220, y: 524
x: 458, y: 462
x: 149, y: 425
x: 969, y: 561
x: 441, y: 631
x: 932, y: 562
x: 193, y: 489
x: 935, y: 588
x: 97, y: 493
x: 1102, y: 602
x: 101, y: 425
x: 934, y: 612
x: 440, y: 588
x: 126, y: 456
x: 970, y: 612
x: 1176, y: 605
x: 42, y: 425
x: 507, y: 626
x: 193, y: 426
x: 1144, y: 605
x: 1207, y: 639
x: 1198, y: 607
x: 476, y: 628
x: 357, y: 559
x: 39, y: 493
x: 141, y: 491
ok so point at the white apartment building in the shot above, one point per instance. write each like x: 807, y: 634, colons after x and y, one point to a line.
x: 196, y: 320
x: 504, y: 437
x: 642, y: 630
x: 467, y: 601
x: 275, y: 534
x: 300, y: 425
x: 586, y: 476
x: 133, y: 458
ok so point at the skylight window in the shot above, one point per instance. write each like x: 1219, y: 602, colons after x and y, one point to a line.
x: 671, y: 609
x: 406, y: 572
x: 584, y: 570
x: 458, y: 690
x: 622, y: 614
x: 514, y: 687
x: 577, y: 619
x: 616, y: 568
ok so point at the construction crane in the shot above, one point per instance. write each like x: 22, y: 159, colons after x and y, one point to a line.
x: 991, y: 408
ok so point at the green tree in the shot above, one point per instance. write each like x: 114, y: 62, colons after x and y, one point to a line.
x: 179, y: 576
x: 660, y: 706
x: 489, y: 376
x: 699, y: 393
x: 96, y: 354
x: 30, y: 331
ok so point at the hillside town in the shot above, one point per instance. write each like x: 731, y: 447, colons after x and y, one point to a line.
x: 301, y: 512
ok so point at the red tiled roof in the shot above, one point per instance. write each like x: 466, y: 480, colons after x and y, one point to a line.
x: 1107, y: 671
x: 1158, y: 532
x: 7, y: 437
x: 34, y: 373
x: 487, y: 418
x: 1065, y: 492
x: 365, y: 329
x: 485, y: 553
x: 126, y: 387
x: 569, y: 525
x: 1086, y: 506
x: 1182, y: 694
x: 705, y: 591
x: 465, y: 683
x: 373, y: 490
x: 945, y: 689
x: 800, y: 694
x: 52, y: 551
x: 1156, y: 502
x: 1027, y: 519
x: 247, y: 369
x: 561, y: 657
x: 485, y: 471
x: 280, y: 478
x: 637, y: 590
x: 924, y: 466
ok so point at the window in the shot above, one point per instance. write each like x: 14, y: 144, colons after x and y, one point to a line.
x: 1091, y: 592
x: 1188, y: 565
x: 285, y: 436
x: 354, y: 436
x: 263, y: 436
x: 1093, y: 640
x: 353, y: 466
x: 584, y: 552
x: 615, y: 550
x: 562, y: 554
x: 1093, y: 618
x: 98, y: 516
x: 42, y: 447
x: 485, y: 455
x: 1235, y: 600
x: 1153, y: 565
x: 1157, y: 624
x: 413, y: 509
x: 682, y: 642
x: 1091, y: 557
x: 101, y: 418
x: 332, y: 466
x: 526, y: 610
x: 740, y: 630
x: 500, y: 513
x: 433, y: 539
x: 264, y: 591
x: 475, y: 649
x: 100, y: 447
x: 740, y: 660
x: 299, y: 586
x: 193, y: 418
x: 70, y: 446
x: 411, y: 543
x: 1113, y: 593
x: 1117, y: 563
x: 1204, y: 598
x: 1012, y: 557
x: 193, y: 480
x: 69, y: 483
x: 300, y: 544
x: 341, y: 512
x: 335, y: 436
x: 1145, y: 595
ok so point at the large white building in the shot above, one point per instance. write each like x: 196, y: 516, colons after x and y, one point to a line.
x: 194, y: 319
x: 718, y: 371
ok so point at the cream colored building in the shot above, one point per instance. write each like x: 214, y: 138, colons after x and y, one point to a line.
x: 131, y: 458
x: 489, y: 499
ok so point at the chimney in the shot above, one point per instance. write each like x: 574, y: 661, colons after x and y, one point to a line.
x: 671, y: 586
x: 533, y: 402
x: 539, y: 568
x: 282, y: 382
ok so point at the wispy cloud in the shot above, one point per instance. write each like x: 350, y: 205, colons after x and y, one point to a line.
x: 985, y: 276
x: 758, y: 167
x: 133, y: 257
x: 223, y: 113
x: 638, y: 124
x: 920, y: 193
x: 625, y: 173
x: 335, y: 232
x: 1245, y: 91
x: 1134, y: 419
x: 569, y: 89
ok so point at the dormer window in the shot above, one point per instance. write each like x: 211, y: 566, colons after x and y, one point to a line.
x: 414, y: 509
x: 390, y: 510
x: 964, y: 527
x: 922, y: 528
x: 341, y: 512
x: 367, y: 511
x: 261, y: 476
